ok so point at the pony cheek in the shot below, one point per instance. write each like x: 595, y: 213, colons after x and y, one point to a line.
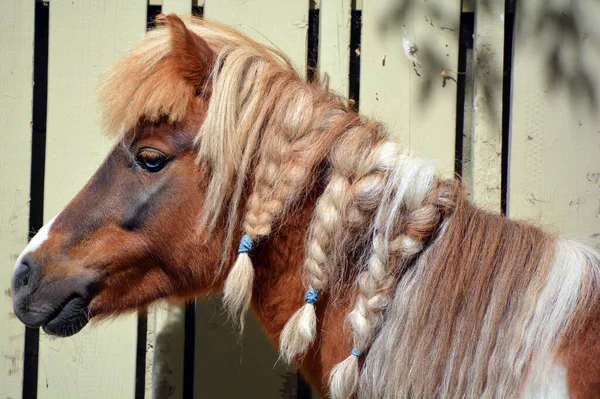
x: 131, y: 288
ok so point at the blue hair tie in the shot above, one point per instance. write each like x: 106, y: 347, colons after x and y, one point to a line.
x: 311, y: 296
x: 245, y: 244
x: 356, y: 352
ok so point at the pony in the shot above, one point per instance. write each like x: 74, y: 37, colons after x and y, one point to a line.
x: 375, y: 277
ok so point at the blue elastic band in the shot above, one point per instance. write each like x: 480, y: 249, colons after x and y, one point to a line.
x: 356, y: 352
x: 311, y: 296
x: 245, y: 244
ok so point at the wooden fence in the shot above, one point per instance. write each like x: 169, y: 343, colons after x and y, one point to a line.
x: 503, y: 93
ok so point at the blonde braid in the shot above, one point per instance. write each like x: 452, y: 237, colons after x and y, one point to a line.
x: 299, y: 331
x: 425, y: 206
x: 352, y: 191
x: 287, y: 160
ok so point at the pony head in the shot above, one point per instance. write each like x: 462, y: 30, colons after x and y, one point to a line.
x: 131, y: 234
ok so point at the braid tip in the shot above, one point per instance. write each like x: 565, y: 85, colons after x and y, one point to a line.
x: 238, y: 288
x: 343, y: 379
x: 298, y: 333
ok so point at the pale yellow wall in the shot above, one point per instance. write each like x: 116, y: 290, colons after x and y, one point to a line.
x: 165, y: 351
x: 280, y: 23
x: 334, y: 43
x: 554, y: 176
x: 181, y: 7
x: 418, y: 109
x: 16, y: 72
x: 485, y: 161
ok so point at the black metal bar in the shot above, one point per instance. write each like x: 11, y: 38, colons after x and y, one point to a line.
x: 354, y: 68
x: 142, y: 322
x: 312, y: 53
x: 151, y: 14
x: 509, y: 37
x: 465, y: 40
x: 198, y: 11
x: 140, y: 361
x: 38, y: 161
x: 189, y: 350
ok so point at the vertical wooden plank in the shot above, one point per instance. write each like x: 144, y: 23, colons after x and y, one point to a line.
x: 85, y: 38
x: 220, y: 357
x: 334, y: 43
x: 181, y: 7
x: 554, y: 175
x: 467, y: 173
x: 16, y: 91
x: 421, y: 110
x: 486, y: 139
x: 165, y: 348
x: 281, y: 23
x: 166, y: 322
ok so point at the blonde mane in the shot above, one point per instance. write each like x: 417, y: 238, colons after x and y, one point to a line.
x: 266, y: 123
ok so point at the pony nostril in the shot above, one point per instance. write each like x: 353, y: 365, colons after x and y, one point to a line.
x: 21, y: 276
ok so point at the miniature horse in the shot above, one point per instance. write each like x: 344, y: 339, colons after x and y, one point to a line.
x: 376, y: 278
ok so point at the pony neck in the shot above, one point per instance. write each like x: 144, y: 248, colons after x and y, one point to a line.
x: 279, y: 292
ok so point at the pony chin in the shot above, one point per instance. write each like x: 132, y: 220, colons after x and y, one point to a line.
x: 69, y: 319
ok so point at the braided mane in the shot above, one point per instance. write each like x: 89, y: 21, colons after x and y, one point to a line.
x: 268, y: 129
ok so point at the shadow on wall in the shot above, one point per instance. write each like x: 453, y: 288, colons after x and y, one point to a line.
x: 400, y: 19
x: 221, y: 356
x: 228, y: 365
x: 569, y: 35
x: 565, y: 31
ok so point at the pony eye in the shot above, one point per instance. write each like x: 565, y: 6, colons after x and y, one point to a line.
x: 151, y: 160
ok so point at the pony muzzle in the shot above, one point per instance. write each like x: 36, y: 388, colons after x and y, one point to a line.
x: 59, y: 306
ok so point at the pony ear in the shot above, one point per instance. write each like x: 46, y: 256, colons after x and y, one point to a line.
x: 193, y: 57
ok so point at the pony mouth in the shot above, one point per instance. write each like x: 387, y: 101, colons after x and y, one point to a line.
x: 69, y: 318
